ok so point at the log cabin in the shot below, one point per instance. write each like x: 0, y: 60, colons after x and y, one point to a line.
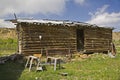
x: 37, y: 35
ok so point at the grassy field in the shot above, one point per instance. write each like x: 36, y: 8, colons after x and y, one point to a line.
x: 8, y: 46
x: 8, y: 41
x: 96, y: 67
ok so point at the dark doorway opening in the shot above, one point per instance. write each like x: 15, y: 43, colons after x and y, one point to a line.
x: 80, y: 40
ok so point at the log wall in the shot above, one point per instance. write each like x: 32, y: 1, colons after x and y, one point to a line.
x: 97, y: 39
x: 52, y: 37
x: 61, y: 37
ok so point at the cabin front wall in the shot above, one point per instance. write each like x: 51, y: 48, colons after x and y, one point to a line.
x: 52, y: 36
x: 97, y: 39
x: 61, y: 37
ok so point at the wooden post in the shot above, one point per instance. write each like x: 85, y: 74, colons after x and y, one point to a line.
x: 41, y: 51
x: 108, y: 44
x: 46, y: 52
x: 92, y: 43
x: 55, y: 64
x: 70, y: 53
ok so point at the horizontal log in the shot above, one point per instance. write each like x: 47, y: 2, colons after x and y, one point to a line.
x: 96, y: 36
x: 44, y: 50
x: 98, y: 39
x: 96, y: 50
x: 97, y: 45
x: 52, y: 46
x: 88, y: 47
x: 49, y: 38
x: 99, y: 32
x: 47, y: 41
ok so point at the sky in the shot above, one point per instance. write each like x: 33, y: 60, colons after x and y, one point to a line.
x: 104, y: 13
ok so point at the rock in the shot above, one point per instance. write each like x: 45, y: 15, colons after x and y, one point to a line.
x: 64, y: 74
x: 13, y: 57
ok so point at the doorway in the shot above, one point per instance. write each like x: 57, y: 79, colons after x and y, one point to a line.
x: 80, y: 39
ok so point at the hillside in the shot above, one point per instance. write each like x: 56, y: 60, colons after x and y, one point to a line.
x: 7, y: 33
x: 116, y: 36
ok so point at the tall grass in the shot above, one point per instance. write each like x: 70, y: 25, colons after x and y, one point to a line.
x: 7, y: 46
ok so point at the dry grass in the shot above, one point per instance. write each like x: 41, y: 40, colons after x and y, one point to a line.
x: 116, y: 36
x: 7, y: 33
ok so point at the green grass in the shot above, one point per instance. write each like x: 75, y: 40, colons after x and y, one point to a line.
x: 97, y: 67
x: 8, y: 46
x: 6, y: 52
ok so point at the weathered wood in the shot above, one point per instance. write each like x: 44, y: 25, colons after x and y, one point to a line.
x: 61, y: 36
x: 99, y: 40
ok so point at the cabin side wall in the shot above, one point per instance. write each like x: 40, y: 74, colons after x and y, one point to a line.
x: 52, y: 36
x: 97, y: 39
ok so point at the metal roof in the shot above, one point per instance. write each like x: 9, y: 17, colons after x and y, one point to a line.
x: 57, y: 22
